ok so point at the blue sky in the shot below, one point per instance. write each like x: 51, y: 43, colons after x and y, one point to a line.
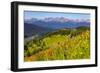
x: 41, y: 15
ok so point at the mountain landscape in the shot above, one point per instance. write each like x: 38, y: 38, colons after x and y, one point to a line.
x: 56, y: 38
x: 34, y: 25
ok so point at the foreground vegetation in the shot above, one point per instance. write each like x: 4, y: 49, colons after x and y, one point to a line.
x: 64, y: 44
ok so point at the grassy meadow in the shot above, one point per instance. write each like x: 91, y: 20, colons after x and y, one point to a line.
x: 62, y: 44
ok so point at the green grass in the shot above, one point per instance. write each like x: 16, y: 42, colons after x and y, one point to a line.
x: 64, y: 44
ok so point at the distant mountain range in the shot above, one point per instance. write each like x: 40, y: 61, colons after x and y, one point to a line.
x: 57, y: 19
x: 58, y: 22
x: 36, y: 26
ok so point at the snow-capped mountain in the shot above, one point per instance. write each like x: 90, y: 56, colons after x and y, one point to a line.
x: 36, y: 26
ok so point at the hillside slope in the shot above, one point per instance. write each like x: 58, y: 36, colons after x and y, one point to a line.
x: 63, y: 44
